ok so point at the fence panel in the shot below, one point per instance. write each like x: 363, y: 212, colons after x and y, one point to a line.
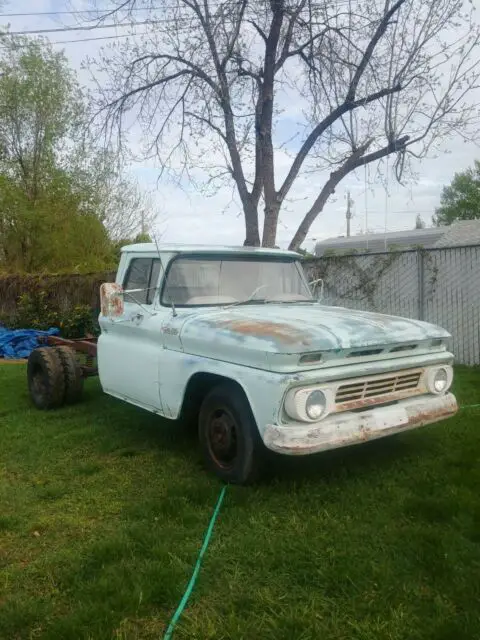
x: 441, y: 286
x: 452, y: 298
x: 388, y: 283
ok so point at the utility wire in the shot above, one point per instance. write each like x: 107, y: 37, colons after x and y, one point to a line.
x: 108, y: 10
x: 49, y: 42
x: 75, y: 12
x: 87, y: 28
x: 175, y: 20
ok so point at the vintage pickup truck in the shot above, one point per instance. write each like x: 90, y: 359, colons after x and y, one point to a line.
x: 236, y: 339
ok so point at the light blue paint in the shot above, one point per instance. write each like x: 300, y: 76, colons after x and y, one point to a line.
x: 149, y: 362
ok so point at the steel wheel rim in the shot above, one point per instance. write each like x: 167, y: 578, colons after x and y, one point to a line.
x: 222, y: 430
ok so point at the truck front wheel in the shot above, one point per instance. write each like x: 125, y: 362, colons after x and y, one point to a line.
x: 229, y: 438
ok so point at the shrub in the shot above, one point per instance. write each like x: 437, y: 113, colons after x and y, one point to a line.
x: 35, y: 311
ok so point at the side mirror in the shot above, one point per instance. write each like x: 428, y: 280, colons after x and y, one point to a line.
x: 111, y: 300
x: 317, y: 291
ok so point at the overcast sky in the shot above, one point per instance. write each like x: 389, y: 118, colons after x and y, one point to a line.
x: 188, y: 217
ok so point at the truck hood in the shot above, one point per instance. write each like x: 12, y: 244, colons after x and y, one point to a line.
x: 238, y: 334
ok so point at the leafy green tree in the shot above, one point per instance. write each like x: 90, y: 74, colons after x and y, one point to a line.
x: 40, y: 112
x: 63, y: 202
x: 461, y: 199
x: 53, y: 234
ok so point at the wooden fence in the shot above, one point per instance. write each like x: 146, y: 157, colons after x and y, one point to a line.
x: 63, y: 292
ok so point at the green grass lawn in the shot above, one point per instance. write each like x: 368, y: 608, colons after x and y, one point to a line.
x: 103, y: 509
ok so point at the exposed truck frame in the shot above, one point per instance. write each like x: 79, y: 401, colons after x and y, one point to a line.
x: 83, y: 346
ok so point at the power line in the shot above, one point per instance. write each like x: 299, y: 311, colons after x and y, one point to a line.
x: 115, y: 37
x: 102, y: 12
x: 90, y: 28
x: 103, y: 26
x: 121, y: 35
x: 74, y: 12
x: 108, y: 10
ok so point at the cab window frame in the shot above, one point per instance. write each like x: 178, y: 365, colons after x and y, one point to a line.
x: 149, y: 292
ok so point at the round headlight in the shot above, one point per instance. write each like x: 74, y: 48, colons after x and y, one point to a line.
x: 440, y: 380
x: 315, y: 405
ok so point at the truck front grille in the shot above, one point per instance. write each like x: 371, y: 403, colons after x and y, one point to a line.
x: 391, y: 385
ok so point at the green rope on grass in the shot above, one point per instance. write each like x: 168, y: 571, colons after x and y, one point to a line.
x: 196, y: 570
x: 206, y: 541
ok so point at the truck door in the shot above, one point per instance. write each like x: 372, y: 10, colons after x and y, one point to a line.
x: 129, y: 347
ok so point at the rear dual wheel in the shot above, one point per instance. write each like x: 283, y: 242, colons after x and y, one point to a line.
x: 54, y: 377
x: 229, y: 438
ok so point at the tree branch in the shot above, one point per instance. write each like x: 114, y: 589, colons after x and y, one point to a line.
x: 260, y: 32
x: 225, y: 103
x: 235, y: 35
x: 379, y: 32
x: 200, y: 73
x: 146, y: 87
x: 357, y: 159
x: 321, y: 128
x: 289, y: 35
x: 207, y: 122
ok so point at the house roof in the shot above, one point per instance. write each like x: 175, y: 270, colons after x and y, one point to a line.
x: 461, y: 233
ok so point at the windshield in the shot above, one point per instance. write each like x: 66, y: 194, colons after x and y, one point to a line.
x: 203, y: 281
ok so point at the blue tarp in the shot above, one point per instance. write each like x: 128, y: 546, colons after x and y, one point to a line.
x: 19, y: 343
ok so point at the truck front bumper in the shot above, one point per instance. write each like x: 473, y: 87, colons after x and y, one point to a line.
x: 343, y: 429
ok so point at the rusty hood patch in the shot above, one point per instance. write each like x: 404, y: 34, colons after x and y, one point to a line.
x: 278, y: 331
x: 241, y: 334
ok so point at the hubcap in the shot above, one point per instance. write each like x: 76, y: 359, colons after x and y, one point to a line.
x: 222, y: 437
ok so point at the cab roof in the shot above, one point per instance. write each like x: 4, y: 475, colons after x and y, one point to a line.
x: 151, y: 247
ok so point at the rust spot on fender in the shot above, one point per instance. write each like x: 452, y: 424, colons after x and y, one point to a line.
x: 282, y: 332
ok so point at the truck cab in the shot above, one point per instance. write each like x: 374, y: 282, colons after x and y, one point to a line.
x: 234, y: 339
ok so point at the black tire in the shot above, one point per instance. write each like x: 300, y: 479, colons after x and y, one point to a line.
x: 46, y: 380
x: 229, y: 438
x: 72, y: 374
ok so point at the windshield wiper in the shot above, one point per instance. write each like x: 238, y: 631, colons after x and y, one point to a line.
x: 293, y: 301
x: 250, y: 298
x: 247, y: 301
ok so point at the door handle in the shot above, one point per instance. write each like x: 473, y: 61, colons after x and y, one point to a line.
x: 136, y: 317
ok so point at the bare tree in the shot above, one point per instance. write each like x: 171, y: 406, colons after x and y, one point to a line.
x: 121, y: 205
x: 210, y: 82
